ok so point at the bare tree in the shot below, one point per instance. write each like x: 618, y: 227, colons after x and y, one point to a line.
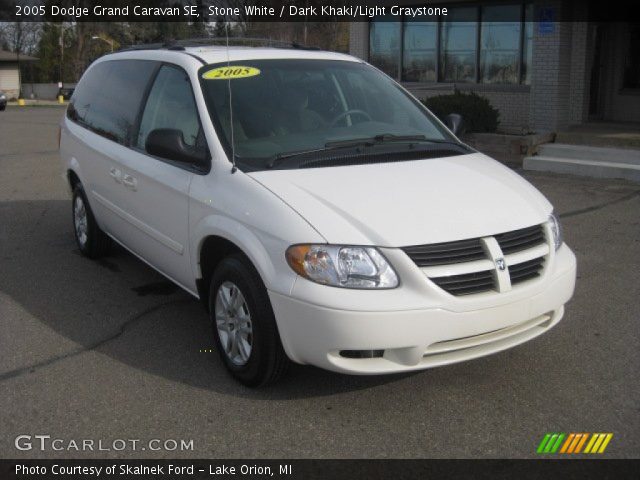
x: 20, y: 37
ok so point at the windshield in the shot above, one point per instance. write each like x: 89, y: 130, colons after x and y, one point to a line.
x: 284, y: 108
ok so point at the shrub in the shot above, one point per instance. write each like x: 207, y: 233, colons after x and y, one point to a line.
x: 477, y: 112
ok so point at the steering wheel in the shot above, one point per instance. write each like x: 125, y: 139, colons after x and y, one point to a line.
x: 348, y: 113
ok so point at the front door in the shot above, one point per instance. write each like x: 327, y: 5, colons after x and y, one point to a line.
x: 159, y: 188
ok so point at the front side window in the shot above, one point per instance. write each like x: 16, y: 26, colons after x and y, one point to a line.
x: 293, y: 106
x: 170, y: 105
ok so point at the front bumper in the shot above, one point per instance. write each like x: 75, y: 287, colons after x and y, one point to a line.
x: 450, y: 331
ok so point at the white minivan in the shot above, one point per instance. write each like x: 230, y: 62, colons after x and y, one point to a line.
x: 318, y: 210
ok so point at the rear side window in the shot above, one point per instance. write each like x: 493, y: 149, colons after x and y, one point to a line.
x: 108, y: 98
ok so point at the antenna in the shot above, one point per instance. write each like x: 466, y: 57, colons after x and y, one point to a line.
x: 233, y: 142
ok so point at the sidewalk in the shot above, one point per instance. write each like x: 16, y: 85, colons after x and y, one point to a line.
x: 38, y: 103
x: 602, y: 134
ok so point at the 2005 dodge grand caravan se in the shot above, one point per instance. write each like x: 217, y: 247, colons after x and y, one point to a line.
x: 319, y: 211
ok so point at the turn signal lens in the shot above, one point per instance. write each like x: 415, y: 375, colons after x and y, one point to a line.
x: 296, y: 256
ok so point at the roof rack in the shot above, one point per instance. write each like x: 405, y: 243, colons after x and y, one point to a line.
x: 204, y: 41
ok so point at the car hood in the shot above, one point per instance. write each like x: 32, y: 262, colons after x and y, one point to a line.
x: 410, y: 203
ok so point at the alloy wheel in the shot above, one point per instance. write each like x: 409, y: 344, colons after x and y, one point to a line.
x: 233, y: 321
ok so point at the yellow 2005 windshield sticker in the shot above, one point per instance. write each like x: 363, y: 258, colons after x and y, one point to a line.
x: 230, y: 72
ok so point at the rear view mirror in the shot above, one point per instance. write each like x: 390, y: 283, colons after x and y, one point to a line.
x: 169, y: 143
x: 455, y: 123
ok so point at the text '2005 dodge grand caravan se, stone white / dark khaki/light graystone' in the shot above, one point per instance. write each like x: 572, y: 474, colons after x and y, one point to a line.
x: 318, y: 210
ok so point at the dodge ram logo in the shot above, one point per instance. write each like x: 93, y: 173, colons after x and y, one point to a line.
x: 500, y: 264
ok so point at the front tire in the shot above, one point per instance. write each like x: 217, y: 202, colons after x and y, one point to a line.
x: 92, y: 241
x: 244, y: 326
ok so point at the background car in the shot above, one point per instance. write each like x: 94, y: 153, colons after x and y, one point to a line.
x: 66, y: 92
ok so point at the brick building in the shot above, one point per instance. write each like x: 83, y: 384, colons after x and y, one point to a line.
x: 545, y: 65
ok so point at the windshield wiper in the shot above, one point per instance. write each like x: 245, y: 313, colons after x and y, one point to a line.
x: 359, y: 142
x: 328, y: 146
x: 376, y: 139
x: 282, y: 156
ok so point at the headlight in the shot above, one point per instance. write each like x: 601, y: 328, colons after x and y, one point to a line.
x: 556, y: 229
x: 342, y: 266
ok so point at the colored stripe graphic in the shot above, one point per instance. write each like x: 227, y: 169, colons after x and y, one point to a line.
x: 606, y: 441
x: 573, y: 443
x: 555, y: 447
x: 567, y: 442
x: 577, y: 437
x: 596, y: 445
x: 591, y: 442
x: 598, y: 442
x: 543, y: 443
x: 550, y: 443
x: 581, y: 442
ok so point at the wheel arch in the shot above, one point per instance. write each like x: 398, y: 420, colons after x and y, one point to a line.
x: 73, y: 178
x: 72, y: 173
x: 219, y: 237
x: 213, y: 249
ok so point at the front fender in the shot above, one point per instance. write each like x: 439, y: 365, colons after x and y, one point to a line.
x: 263, y: 252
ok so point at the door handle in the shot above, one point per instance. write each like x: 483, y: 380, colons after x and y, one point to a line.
x: 116, y: 174
x: 129, y: 181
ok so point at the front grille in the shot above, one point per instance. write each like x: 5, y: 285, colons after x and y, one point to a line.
x: 519, y: 240
x: 517, y: 249
x: 467, y: 283
x: 445, y: 253
x: 524, y: 271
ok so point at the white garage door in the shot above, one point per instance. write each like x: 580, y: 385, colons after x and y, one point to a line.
x: 8, y: 77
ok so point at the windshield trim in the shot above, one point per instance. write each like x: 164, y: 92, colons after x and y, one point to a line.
x: 226, y: 145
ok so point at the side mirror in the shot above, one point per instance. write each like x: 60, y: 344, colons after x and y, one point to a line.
x: 455, y: 123
x: 169, y: 143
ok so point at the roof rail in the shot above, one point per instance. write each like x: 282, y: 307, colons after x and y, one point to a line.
x: 204, y: 41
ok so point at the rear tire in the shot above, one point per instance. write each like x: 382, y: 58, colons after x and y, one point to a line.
x: 92, y: 242
x: 244, y: 326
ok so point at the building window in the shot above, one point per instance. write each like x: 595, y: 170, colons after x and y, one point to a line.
x: 472, y: 44
x: 458, y: 39
x: 632, y: 66
x: 420, y: 53
x: 499, y: 44
x: 384, y: 45
x: 527, y: 45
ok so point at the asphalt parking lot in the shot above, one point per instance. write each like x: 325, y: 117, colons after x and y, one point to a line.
x: 110, y: 350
